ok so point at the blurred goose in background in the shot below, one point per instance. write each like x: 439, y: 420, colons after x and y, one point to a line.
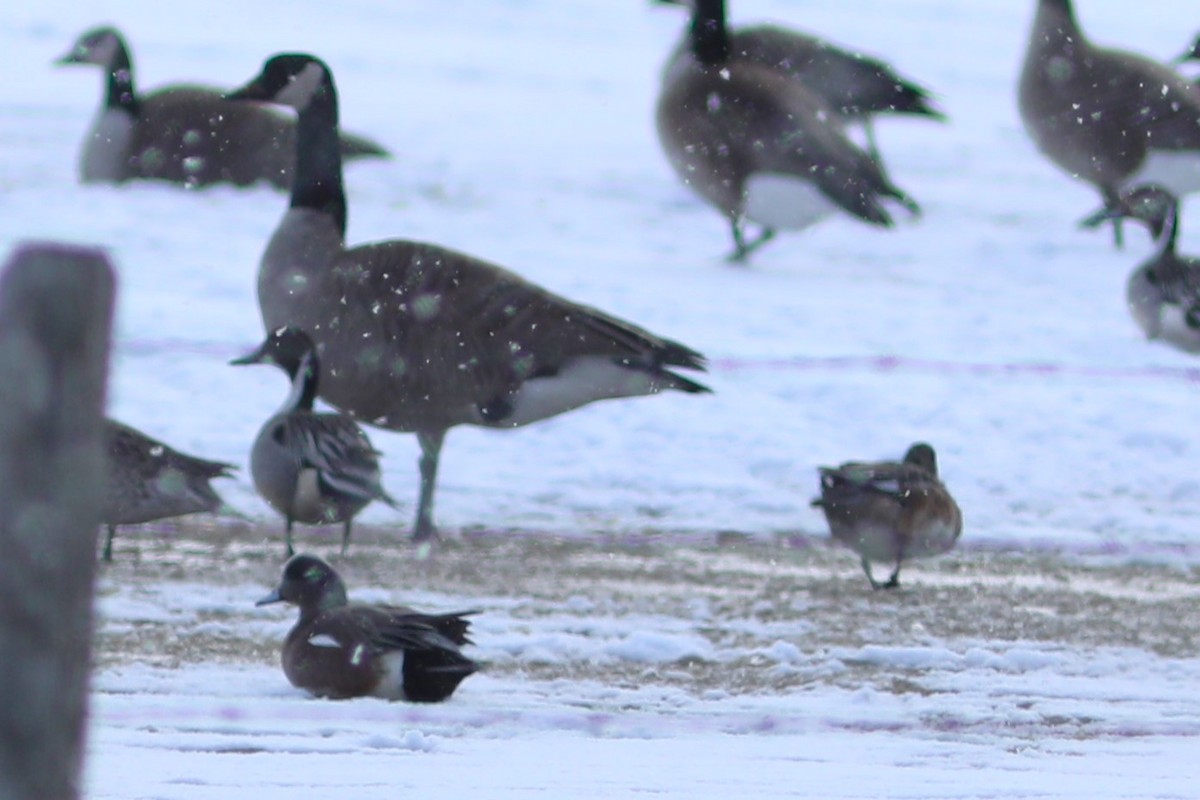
x: 1109, y: 117
x: 1163, y: 293
x: 338, y: 649
x: 183, y: 133
x: 419, y: 338
x: 759, y: 146
x: 148, y: 481
x: 318, y: 469
x: 1191, y: 54
x: 855, y: 85
x: 890, y: 511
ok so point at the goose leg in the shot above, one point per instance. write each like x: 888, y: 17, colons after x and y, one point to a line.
x: 872, y: 145
x: 431, y: 449
x: 743, y: 247
x: 346, y: 536
x: 287, y: 538
x: 112, y: 530
x: 1112, y: 200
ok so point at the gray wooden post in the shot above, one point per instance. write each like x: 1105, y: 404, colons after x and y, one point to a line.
x: 55, y: 316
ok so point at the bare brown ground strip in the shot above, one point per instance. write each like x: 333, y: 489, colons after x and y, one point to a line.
x: 739, y: 594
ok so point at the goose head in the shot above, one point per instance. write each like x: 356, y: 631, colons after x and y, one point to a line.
x: 99, y: 46
x: 289, y: 79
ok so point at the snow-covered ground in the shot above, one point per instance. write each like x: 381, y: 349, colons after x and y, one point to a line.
x: 523, y: 133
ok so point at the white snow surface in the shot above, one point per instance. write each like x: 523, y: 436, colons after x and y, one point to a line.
x: 523, y: 133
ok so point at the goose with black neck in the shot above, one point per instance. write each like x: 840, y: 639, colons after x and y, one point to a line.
x: 183, y: 133
x: 419, y: 338
x: 761, y: 147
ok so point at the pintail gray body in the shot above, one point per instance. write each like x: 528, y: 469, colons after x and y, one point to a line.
x: 314, y: 468
x: 1163, y: 292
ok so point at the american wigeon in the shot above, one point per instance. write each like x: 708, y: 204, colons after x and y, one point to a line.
x: 418, y: 338
x: 1163, y: 293
x: 759, y: 146
x: 890, y: 511
x: 147, y: 481
x: 311, y: 467
x: 340, y: 649
x: 182, y: 133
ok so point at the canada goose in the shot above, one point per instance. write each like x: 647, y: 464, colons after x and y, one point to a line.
x: 1163, y: 293
x: 312, y: 468
x: 183, y: 133
x: 419, y: 338
x: 1110, y: 117
x: 855, y: 85
x: 147, y: 481
x: 338, y: 649
x: 890, y: 511
x: 760, y: 146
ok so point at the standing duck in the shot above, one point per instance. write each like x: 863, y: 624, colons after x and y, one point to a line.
x: 183, y: 133
x: 313, y: 468
x: 148, y: 481
x: 890, y: 511
x: 759, y: 146
x: 1109, y: 117
x: 855, y: 85
x: 419, y: 338
x: 1163, y: 293
x: 340, y: 649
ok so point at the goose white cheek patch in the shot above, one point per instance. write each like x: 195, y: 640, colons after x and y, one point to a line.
x: 303, y: 86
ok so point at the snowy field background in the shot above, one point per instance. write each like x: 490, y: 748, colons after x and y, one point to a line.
x: 523, y: 133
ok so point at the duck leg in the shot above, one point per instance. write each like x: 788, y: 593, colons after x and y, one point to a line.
x: 894, y: 581
x: 431, y: 449
x: 866, y: 565
x: 112, y: 530
x: 743, y: 247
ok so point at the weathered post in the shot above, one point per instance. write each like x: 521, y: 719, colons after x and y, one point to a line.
x: 55, y: 316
